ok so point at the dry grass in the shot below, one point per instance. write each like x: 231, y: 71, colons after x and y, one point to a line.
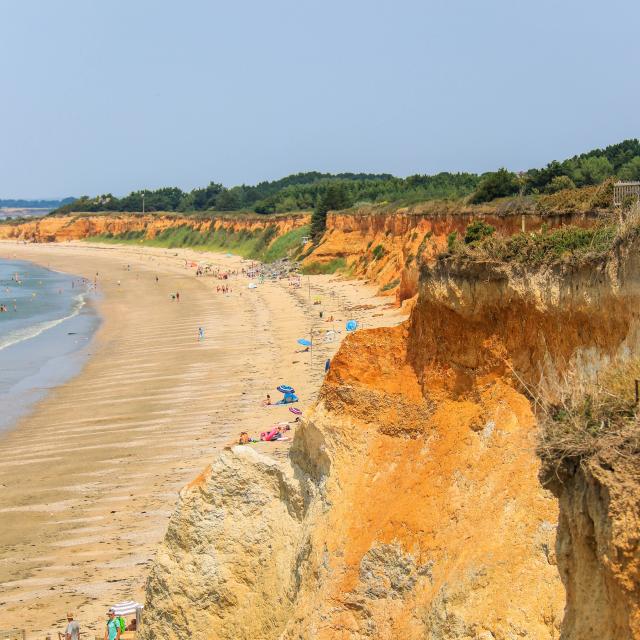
x: 592, y: 418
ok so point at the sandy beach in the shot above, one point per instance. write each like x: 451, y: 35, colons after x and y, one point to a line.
x: 91, y: 475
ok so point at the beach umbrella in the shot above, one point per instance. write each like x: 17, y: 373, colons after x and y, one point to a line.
x: 304, y: 342
x: 352, y: 325
x: 126, y: 608
x: 295, y: 411
x: 285, y: 388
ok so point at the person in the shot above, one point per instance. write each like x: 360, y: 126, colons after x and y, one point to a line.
x: 200, y: 333
x: 133, y: 625
x: 177, y: 296
x: 72, y: 631
x: 267, y: 401
x: 244, y: 438
x: 157, y: 279
x: 112, y: 632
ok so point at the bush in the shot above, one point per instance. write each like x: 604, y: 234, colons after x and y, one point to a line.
x: 559, y: 183
x: 316, y: 268
x: 452, y: 241
x: 497, y: 184
x: 477, y: 230
x: 378, y: 252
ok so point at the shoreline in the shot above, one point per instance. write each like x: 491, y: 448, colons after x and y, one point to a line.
x: 56, y: 349
x: 95, y: 468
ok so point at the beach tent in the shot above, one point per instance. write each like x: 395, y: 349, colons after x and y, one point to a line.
x: 352, y: 325
x: 304, y: 342
x: 285, y: 388
x: 127, y: 608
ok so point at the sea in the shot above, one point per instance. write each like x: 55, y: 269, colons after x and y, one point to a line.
x: 45, y: 333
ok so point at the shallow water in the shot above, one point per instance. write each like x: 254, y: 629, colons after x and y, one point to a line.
x: 44, y: 334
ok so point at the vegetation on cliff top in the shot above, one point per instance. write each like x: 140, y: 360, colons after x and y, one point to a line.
x: 545, y: 246
x: 307, y: 191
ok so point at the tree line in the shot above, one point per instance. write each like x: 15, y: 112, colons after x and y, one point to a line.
x: 317, y: 191
x: 299, y: 192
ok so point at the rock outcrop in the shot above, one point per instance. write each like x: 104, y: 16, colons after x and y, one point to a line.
x: 598, y: 545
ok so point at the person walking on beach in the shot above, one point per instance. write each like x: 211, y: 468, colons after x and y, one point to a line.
x: 72, y: 631
x: 200, y: 333
x: 112, y: 632
x: 177, y: 296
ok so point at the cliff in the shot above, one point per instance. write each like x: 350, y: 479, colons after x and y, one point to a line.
x: 386, y: 247
x: 79, y: 227
x: 598, y: 546
x: 410, y: 506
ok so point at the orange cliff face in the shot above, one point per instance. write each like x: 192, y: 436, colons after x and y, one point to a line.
x: 79, y: 227
x: 388, y: 248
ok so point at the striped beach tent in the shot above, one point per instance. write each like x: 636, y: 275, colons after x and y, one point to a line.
x: 126, y: 608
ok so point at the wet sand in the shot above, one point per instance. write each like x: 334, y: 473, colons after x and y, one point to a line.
x: 90, y: 477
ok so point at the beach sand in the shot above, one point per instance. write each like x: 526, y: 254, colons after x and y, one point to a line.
x: 90, y: 477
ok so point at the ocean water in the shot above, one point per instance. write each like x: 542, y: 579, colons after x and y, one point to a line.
x: 45, y: 334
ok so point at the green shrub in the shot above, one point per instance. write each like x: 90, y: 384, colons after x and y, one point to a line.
x: 496, y: 184
x: 378, y: 252
x: 477, y: 230
x: 391, y: 285
x: 315, y: 268
x: 452, y: 241
x: 559, y: 183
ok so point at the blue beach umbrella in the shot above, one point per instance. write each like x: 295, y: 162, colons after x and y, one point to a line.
x: 285, y: 388
x: 352, y: 325
x: 304, y: 342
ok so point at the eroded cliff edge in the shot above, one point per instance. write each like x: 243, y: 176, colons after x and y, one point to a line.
x: 410, y: 506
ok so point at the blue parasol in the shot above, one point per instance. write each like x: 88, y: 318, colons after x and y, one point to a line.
x: 352, y: 325
x: 285, y: 388
x: 304, y: 342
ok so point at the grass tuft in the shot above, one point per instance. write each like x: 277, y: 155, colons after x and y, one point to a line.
x: 592, y: 418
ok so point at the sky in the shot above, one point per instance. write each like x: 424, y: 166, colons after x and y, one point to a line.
x: 102, y: 96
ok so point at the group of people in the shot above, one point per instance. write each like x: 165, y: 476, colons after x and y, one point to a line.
x: 276, y: 432
x: 223, y: 289
x: 115, y: 626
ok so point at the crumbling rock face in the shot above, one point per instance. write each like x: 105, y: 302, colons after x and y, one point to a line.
x: 226, y: 567
x: 598, y: 546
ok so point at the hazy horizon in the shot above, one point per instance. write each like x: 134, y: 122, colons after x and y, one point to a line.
x: 112, y: 98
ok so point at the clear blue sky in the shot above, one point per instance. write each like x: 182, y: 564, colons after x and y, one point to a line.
x: 113, y: 95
